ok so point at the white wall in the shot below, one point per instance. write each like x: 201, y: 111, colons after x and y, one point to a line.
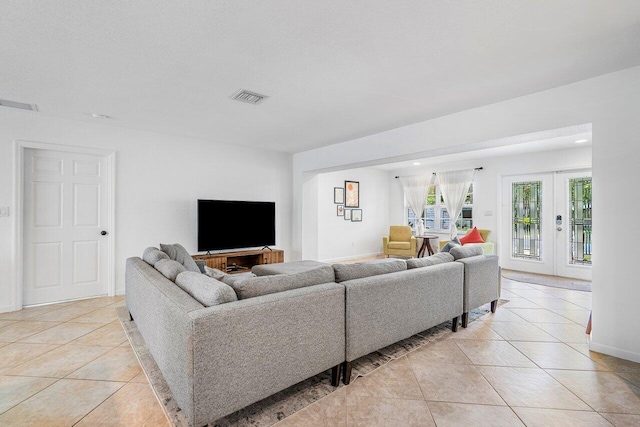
x: 158, y: 180
x: 339, y: 239
x: 487, y: 183
x: 611, y: 103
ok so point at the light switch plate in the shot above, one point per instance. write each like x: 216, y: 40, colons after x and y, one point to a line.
x: 488, y: 213
x: 4, y: 211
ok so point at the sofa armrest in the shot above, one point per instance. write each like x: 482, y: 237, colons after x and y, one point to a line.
x: 252, y: 348
x: 414, y: 245
x: 385, y: 243
x: 481, y: 281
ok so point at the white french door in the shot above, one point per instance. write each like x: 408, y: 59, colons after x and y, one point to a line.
x: 65, y: 215
x: 546, y: 223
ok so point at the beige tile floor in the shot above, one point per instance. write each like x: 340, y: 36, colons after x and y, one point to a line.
x: 528, y: 364
x: 71, y: 364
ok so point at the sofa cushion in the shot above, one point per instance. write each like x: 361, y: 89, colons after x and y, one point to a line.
x: 452, y: 244
x: 177, y: 252
x: 438, y: 258
x: 206, y: 290
x: 472, y: 237
x: 152, y: 255
x: 399, y: 245
x: 264, y: 285
x: 346, y: 272
x: 286, y: 267
x: 231, y: 279
x: 460, y: 252
x: 169, y: 268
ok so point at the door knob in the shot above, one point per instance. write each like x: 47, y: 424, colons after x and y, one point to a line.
x: 559, y: 228
x: 104, y: 233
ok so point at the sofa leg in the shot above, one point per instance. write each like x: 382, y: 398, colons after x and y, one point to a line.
x: 465, y: 319
x: 335, y: 375
x: 346, y: 373
x: 494, y: 305
x: 454, y: 324
x: 130, y: 317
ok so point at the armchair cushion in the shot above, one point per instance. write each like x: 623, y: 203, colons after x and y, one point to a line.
x: 399, y: 245
x: 399, y: 233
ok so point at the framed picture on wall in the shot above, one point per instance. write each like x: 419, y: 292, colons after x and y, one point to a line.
x: 340, y: 211
x: 347, y: 214
x: 352, y: 194
x: 356, y: 215
x: 338, y: 195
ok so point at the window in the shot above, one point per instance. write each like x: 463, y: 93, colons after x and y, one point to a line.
x: 435, y: 215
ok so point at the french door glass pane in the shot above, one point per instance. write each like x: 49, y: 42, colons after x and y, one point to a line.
x: 526, y: 229
x: 580, y: 220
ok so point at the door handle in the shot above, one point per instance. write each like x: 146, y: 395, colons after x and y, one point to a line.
x: 104, y: 233
x: 559, y: 228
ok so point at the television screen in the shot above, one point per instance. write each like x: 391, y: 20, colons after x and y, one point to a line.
x: 227, y: 224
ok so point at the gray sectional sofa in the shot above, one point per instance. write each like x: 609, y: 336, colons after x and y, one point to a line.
x: 225, y: 343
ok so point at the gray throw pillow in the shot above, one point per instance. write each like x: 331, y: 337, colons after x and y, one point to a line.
x: 169, y: 268
x: 206, y: 290
x: 152, y: 255
x: 214, y: 272
x: 201, y: 265
x: 177, y: 252
x: 346, y: 272
x: 264, y: 285
x: 460, y: 252
x: 439, y: 258
x: 452, y: 244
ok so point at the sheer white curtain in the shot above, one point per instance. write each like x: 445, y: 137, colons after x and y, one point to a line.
x: 454, y: 186
x: 416, y: 190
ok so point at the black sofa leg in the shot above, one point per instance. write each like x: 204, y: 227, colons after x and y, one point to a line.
x: 465, y: 319
x: 130, y: 317
x: 335, y: 375
x: 346, y: 373
x: 494, y: 305
x: 454, y: 324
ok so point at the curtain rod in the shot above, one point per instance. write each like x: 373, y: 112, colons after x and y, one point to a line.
x: 477, y: 169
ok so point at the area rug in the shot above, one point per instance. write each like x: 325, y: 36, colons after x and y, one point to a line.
x: 543, y: 279
x: 291, y: 400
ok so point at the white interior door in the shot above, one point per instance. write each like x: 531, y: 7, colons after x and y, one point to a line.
x: 65, y: 213
x: 573, y: 224
x: 546, y: 224
x: 527, y: 228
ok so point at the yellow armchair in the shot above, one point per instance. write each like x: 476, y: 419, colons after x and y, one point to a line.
x: 399, y: 241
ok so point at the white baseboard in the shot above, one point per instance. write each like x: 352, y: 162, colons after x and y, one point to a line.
x: 614, y: 351
x: 7, y: 308
x: 120, y: 291
x: 348, y: 258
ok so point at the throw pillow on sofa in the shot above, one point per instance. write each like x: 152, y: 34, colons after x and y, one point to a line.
x: 177, y: 252
x: 169, y: 268
x: 227, y: 278
x: 264, y: 285
x: 452, y: 244
x: 360, y: 270
x: 152, y: 255
x: 460, y: 252
x: 473, y: 236
x: 439, y: 258
x: 206, y: 290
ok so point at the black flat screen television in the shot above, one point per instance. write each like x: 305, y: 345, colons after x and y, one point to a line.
x: 228, y: 224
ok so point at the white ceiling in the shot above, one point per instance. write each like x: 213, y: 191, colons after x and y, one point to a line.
x: 334, y: 70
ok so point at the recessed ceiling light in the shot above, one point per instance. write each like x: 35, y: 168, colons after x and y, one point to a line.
x: 100, y: 116
x: 416, y: 163
x: 581, y: 141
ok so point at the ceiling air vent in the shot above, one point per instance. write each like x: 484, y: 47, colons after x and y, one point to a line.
x: 248, y: 97
x: 20, y: 105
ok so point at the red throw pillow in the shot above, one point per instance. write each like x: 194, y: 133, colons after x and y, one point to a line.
x: 473, y: 237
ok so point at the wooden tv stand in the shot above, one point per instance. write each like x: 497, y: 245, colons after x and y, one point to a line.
x: 243, y: 259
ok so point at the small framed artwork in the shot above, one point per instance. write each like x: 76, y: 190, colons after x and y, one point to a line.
x: 340, y: 211
x: 347, y: 214
x: 352, y: 194
x: 356, y: 215
x: 338, y: 195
